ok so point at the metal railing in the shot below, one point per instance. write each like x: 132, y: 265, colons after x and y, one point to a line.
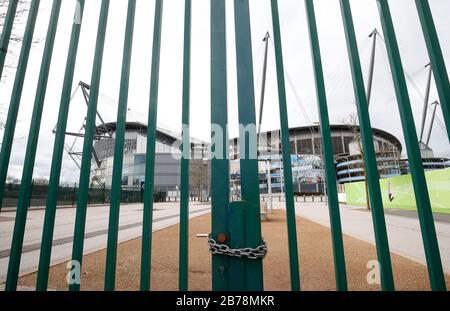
x: 235, y: 224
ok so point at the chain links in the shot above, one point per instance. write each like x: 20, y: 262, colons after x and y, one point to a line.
x: 250, y: 253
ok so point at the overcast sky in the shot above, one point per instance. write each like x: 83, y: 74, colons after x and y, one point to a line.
x: 297, y: 58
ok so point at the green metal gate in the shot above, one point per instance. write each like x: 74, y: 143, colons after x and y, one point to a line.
x: 234, y: 225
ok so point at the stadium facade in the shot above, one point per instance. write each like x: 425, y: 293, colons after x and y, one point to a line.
x: 167, y: 165
x: 307, y: 164
x: 306, y: 150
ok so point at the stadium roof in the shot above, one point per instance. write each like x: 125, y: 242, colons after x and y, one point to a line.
x: 162, y: 135
x: 169, y: 137
x: 343, y: 127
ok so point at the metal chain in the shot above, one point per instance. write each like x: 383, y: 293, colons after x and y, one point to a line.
x: 250, y: 253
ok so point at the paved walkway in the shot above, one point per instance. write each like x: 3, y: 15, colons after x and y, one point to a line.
x: 316, y: 258
x: 165, y: 215
x: 315, y: 252
x: 404, y: 232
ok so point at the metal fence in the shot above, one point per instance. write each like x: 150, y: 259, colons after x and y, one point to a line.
x: 68, y: 196
x: 237, y: 224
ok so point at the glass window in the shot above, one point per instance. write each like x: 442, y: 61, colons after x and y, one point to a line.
x: 293, y: 147
x: 130, y: 146
x: 139, y: 159
x: 380, y: 146
x: 338, y: 148
x: 347, y: 142
x: 305, y: 146
x: 269, y: 142
x: 318, y: 146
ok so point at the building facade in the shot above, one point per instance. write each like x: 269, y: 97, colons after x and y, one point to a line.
x: 167, y: 163
x: 306, y: 156
x: 307, y: 164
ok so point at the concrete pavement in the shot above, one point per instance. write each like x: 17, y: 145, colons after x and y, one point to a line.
x: 315, y: 254
x: 165, y: 215
x: 404, y: 232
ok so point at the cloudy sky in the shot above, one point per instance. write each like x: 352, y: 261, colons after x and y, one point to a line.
x: 300, y: 84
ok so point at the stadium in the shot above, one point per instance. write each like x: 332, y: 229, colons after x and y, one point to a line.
x: 167, y: 165
x: 306, y: 150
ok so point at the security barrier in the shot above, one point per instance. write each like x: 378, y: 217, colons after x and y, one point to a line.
x: 235, y: 226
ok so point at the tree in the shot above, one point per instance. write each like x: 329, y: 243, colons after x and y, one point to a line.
x: 353, y: 122
x: 15, y: 41
x: 199, y: 176
x: 17, y: 34
x: 2, y: 123
x: 11, y: 180
x: 41, y: 181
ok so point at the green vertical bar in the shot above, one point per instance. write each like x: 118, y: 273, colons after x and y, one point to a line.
x: 184, y: 183
x: 248, y: 142
x: 287, y: 161
x: 30, y: 155
x: 238, y: 274
x: 220, y: 179
x: 436, y: 58
x: 6, y: 34
x: 14, y: 105
x: 116, y: 191
x: 33, y: 135
x: 85, y: 173
x: 372, y: 175
x: 437, y: 279
x: 58, y: 150
x: 151, y: 148
x: 328, y: 155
